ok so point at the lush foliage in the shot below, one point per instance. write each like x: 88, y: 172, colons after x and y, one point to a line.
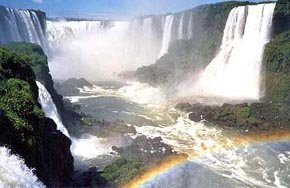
x: 33, y: 54
x: 277, y: 62
x: 23, y: 127
x: 17, y: 101
x: 281, y: 21
x: 122, y: 170
x: 18, y: 91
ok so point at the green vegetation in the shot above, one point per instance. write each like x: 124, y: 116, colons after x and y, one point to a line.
x: 37, y: 60
x: 277, y: 62
x: 32, y: 54
x: 18, y: 91
x: 23, y: 127
x: 281, y: 20
x: 122, y: 170
x: 17, y: 101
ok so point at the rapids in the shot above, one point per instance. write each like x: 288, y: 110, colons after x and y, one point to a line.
x: 215, y: 158
x: 14, y: 172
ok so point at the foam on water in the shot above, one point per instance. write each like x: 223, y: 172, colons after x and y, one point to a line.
x: 185, y: 136
x: 142, y: 93
x: 14, y: 172
x: 91, y: 147
x: 258, y: 165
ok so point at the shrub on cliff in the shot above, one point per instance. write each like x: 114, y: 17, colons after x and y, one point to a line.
x: 277, y: 62
x: 23, y: 127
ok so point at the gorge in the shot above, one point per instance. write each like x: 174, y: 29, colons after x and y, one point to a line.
x: 198, y: 98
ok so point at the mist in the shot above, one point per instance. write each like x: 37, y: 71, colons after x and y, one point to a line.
x: 99, y: 50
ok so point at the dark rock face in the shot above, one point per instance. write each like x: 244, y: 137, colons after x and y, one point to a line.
x: 281, y: 20
x: 90, y: 178
x: 146, y: 149
x: 70, y: 86
x: 55, y: 156
x: 23, y: 126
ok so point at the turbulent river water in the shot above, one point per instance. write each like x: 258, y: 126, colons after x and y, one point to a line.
x: 216, y: 161
x: 215, y: 158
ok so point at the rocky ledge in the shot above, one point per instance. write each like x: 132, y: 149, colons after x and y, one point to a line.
x: 243, y: 117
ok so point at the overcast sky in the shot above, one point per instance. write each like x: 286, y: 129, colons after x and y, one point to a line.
x: 109, y: 9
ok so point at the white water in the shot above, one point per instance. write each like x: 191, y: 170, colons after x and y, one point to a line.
x: 220, y: 162
x: 14, y: 172
x: 167, y: 32
x: 87, y: 147
x: 180, y: 28
x: 107, y: 47
x: 49, y: 108
x: 21, y: 25
x: 235, y: 71
x: 142, y: 93
x: 189, y: 28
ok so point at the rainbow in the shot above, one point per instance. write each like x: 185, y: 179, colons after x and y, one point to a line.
x: 177, y: 160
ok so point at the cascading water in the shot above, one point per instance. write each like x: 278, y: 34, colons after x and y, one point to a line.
x: 189, y: 27
x: 49, y: 108
x: 180, y: 28
x: 167, y: 33
x: 87, y: 147
x: 21, y: 25
x: 14, y: 172
x: 62, y: 31
x: 235, y: 71
x: 95, y: 40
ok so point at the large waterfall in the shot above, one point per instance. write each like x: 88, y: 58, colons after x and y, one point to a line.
x: 103, y: 49
x: 14, y: 172
x: 235, y: 71
x: 21, y: 25
x: 134, y: 43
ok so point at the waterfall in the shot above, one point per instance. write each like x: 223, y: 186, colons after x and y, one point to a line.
x: 189, y: 27
x: 180, y: 29
x: 235, y: 71
x: 59, y: 32
x: 166, y: 35
x: 14, y: 172
x: 134, y: 43
x: 49, y: 108
x: 21, y: 25
x: 106, y: 49
x: 87, y: 147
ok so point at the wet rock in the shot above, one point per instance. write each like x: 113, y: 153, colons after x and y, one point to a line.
x: 255, y: 116
x: 145, y: 149
x: 90, y: 178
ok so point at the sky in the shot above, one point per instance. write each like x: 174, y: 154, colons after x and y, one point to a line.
x: 105, y: 9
